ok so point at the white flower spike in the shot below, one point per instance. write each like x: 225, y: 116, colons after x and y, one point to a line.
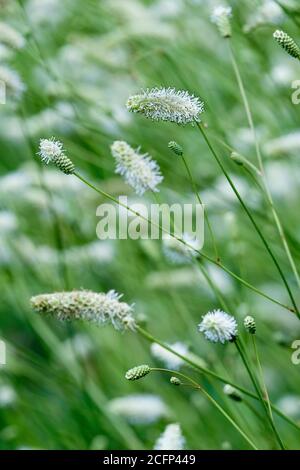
x: 166, y: 104
x: 139, y: 170
x: 218, y: 327
x: 171, y: 438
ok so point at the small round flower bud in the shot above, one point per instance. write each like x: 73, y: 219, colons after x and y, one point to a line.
x: 176, y: 148
x: 287, y: 43
x: 250, y: 325
x: 232, y: 393
x: 138, y: 372
x: 175, y: 381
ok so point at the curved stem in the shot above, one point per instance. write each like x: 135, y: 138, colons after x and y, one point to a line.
x: 261, y: 165
x: 210, y: 373
x: 258, y: 391
x: 211, y: 399
x: 200, y: 253
x: 259, y: 232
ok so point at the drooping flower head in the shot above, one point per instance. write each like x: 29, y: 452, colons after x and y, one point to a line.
x: 87, y: 306
x: 221, y: 17
x: 52, y: 150
x: 166, y: 104
x: 171, y: 438
x: 287, y: 43
x: 218, y: 327
x: 139, y: 170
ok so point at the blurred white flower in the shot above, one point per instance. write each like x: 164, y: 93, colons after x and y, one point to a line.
x: 290, y: 405
x: 166, y: 104
x: 13, y: 83
x: 218, y: 326
x: 169, y: 359
x: 287, y: 143
x: 171, y: 438
x: 139, y: 170
x: 268, y: 12
x: 8, y: 396
x: 139, y: 408
x: 8, y: 222
x: 179, y: 253
x: 11, y: 37
x: 221, y: 17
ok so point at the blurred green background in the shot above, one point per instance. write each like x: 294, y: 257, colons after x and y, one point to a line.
x: 78, y: 63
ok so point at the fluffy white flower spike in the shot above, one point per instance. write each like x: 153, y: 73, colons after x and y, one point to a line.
x: 139, y: 170
x: 166, y: 104
x: 87, y: 306
x: 139, y: 408
x: 171, y: 439
x: 52, y: 150
x: 218, y: 327
x: 167, y: 358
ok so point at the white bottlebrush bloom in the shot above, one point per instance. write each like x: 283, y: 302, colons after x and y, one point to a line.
x: 221, y: 17
x: 14, y: 87
x: 52, y: 150
x: 167, y: 358
x: 87, y: 306
x: 179, y: 253
x: 166, y: 104
x: 171, y: 438
x: 139, y: 408
x: 10, y: 37
x: 139, y: 170
x: 218, y: 326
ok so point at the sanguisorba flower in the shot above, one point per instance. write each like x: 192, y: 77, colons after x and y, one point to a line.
x: 218, y: 327
x: 166, y: 104
x: 221, y: 17
x: 97, y: 308
x: 139, y: 170
x: 139, y: 408
x: 171, y: 438
x: 52, y: 150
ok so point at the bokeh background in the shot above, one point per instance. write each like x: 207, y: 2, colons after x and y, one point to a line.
x: 77, y: 62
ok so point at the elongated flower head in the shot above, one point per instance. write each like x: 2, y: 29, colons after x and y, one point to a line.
x: 51, y: 150
x: 87, y: 306
x: 221, y: 17
x: 166, y: 104
x: 287, y: 43
x: 218, y: 327
x: 138, y: 372
x: 139, y: 170
x: 176, y: 148
x: 171, y: 438
x: 250, y: 325
x: 232, y: 393
x: 14, y: 87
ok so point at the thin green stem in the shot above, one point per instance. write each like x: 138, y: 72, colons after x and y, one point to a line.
x: 200, y: 253
x: 211, y: 399
x: 266, y: 395
x: 210, y: 373
x: 200, y: 202
x: 258, y: 391
x: 261, y: 165
x: 259, y: 232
